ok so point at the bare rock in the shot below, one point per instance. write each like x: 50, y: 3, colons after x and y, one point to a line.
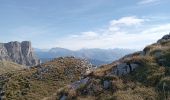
x: 77, y: 84
x: 164, y: 38
x: 21, y: 53
x: 64, y: 97
x: 158, y: 54
x: 106, y: 84
x: 124, y: 68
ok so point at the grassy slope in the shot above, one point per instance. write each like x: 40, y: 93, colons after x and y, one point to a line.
x: 42, y: 81
x: 6, y: 66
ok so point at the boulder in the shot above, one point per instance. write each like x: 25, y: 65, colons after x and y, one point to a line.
x: 124, y: 68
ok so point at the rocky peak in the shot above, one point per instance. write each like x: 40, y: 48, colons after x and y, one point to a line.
x: 21, y: 53
x: 164, y: 38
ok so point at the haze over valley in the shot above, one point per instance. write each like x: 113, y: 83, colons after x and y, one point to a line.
x: 95, y: 56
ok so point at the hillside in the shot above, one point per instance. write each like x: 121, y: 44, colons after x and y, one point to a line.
x: 43, y: 80
x: 6, y: 67
x: 143, y: 75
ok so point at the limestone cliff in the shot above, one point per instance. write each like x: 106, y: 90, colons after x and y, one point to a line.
x: 21, y: 53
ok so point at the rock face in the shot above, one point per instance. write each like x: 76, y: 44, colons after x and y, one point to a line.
x: 21, y: 53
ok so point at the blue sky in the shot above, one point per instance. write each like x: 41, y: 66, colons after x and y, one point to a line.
x: 76, y: 24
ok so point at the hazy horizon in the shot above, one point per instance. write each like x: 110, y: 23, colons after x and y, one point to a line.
x: 74, y: 25
x: 47, y: 49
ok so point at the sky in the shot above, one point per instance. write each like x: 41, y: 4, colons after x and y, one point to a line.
x: 77, y: 24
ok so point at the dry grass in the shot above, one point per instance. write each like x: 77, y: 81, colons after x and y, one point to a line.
x: 43, y: 81
x: 139, y: 93
x: 6, y: 66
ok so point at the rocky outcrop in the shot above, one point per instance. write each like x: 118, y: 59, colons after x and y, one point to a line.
x: 124, y: 68
x: 21, y: 53
x: 164, y: 38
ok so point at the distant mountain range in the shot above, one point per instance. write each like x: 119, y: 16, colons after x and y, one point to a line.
x: 95, y: 56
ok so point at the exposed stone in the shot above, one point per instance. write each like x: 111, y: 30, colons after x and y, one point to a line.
x: 124, y: 68
x: 161, y: 61
x: 134, y: 66
x: 39, y: 74
x: 86, y: 64
x: 141, y: 53
x: 106, y: 84
x: 64, y: 97
x: 164, y: 38
x: 77, y: 84
x: 158, y: 54
x: 21, y: 53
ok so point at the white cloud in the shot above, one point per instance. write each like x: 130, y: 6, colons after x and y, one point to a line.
x: 147, y: 1
x: 128, y: 21
x: 117, y: 36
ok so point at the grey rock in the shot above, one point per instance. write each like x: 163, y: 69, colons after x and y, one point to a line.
x: 106, y: 84
x: 124, y: 68
x: 158, y: 54
x: 161, y: 61
x: 21, y: 53
x: 164, y: 38
x: 64, y: 97
x: 77, y: 84
x: 134, y: 66
x: 141, y: 53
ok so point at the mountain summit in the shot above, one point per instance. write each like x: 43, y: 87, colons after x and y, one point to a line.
x: 21, y: 53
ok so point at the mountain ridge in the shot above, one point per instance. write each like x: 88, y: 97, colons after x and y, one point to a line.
x: 96, y: 56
